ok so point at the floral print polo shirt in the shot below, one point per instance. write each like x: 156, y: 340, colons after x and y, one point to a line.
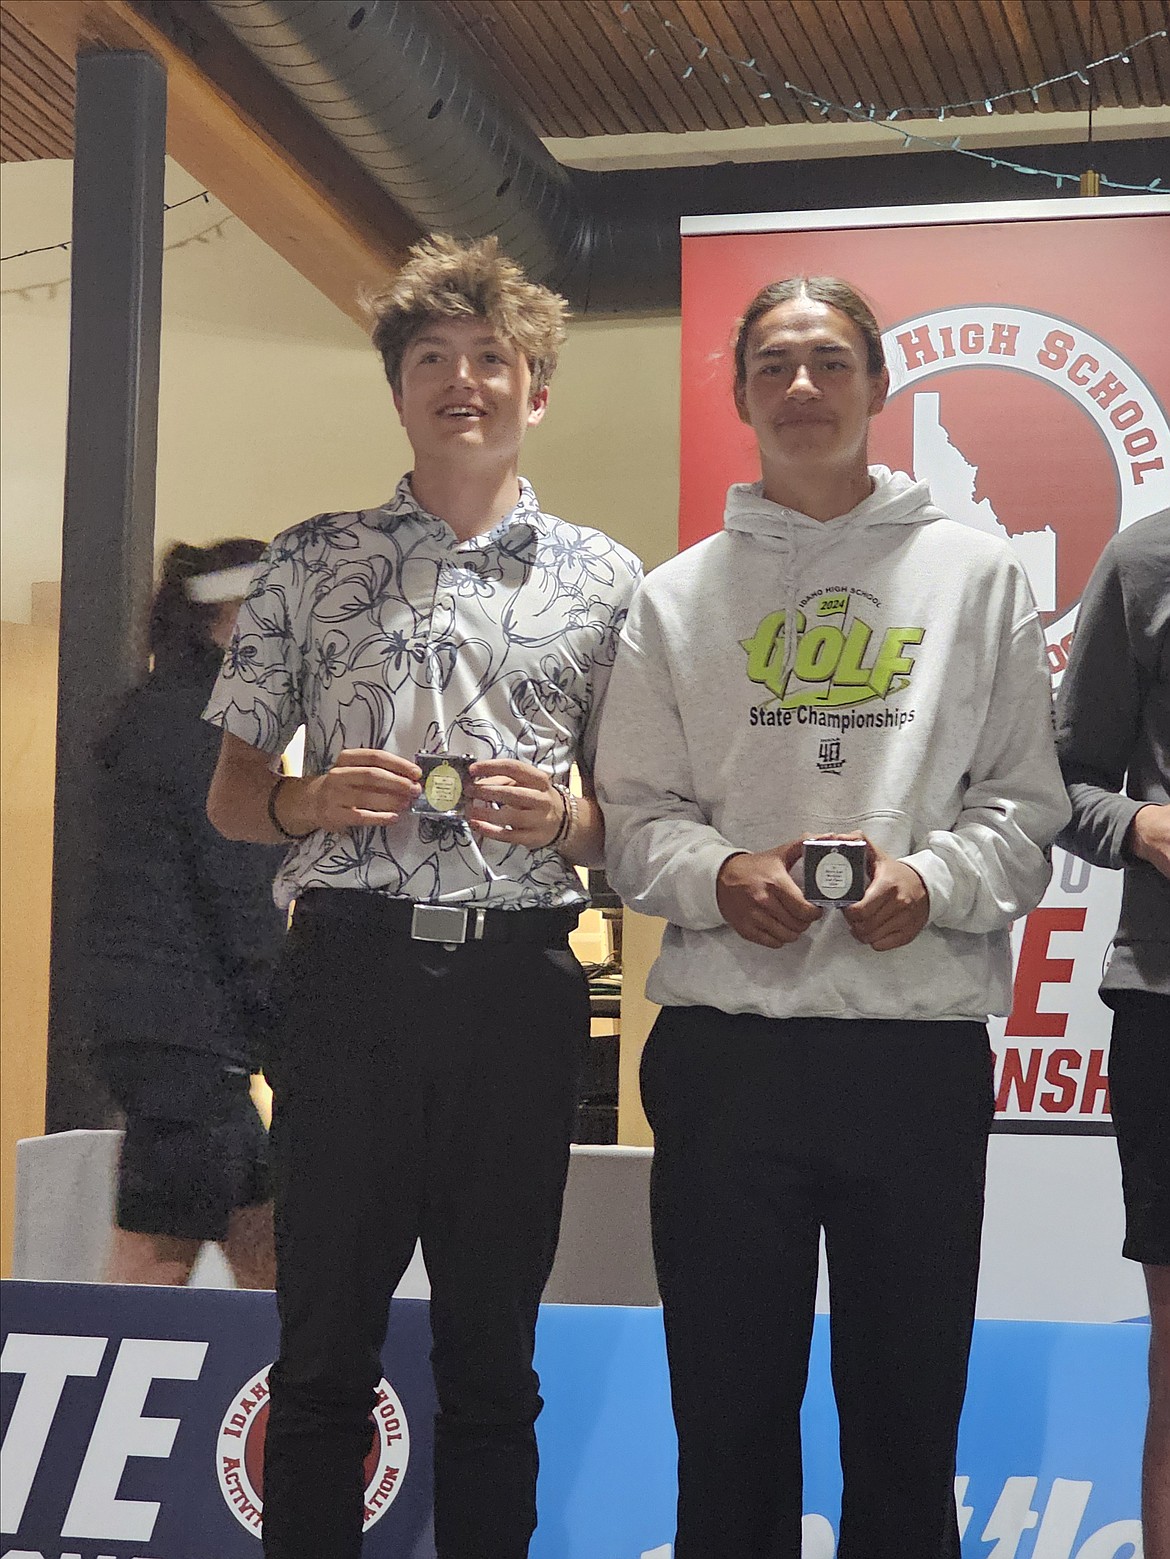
x: 380, y: 629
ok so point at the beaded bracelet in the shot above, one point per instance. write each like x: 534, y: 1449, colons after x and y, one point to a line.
x: 272, y: 817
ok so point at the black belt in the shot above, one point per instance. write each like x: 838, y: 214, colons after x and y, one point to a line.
x: 448, y: 924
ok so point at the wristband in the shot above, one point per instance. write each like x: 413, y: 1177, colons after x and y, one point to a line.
x: 272, y: 817
x: 567, y: 815
x: 572, y: 800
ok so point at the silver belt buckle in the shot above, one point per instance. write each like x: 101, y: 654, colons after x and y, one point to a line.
x: 445, y: 923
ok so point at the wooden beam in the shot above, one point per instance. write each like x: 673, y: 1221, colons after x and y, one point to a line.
x: 237, y: 131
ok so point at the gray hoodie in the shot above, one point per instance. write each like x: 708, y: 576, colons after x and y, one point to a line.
x: 1113, y: 725
x: 912, y: 703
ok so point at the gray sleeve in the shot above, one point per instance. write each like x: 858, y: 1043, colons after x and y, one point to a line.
x: 992, y: 865
x: 662, y: 854
x: 1098, y: 720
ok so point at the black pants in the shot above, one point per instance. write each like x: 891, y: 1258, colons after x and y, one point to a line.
x: 766, y: 1132
x: 417, y: 1093
x: 1139, y: 1091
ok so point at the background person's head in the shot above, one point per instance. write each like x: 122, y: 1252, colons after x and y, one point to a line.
x: 446, y: 280
x: 196, y: 602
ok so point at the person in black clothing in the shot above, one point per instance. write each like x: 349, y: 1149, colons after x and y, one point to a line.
x: 182, y: 934
x: 1113, y: 737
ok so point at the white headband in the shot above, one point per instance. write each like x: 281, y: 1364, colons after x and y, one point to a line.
x: 224, y: 584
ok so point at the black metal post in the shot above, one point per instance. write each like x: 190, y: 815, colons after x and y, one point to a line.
x: 108, y: 537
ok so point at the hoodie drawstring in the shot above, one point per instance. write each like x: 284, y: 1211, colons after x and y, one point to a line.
x: 788, y: 579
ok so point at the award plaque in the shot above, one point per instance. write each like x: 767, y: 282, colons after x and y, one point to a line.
x: 835, y: 871
x: 446, y: 784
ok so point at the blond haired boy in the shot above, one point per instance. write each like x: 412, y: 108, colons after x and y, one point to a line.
x: 447, y: 653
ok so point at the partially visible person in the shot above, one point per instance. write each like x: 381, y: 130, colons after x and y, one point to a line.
x: 181, y: 939
x: 1113, y: 736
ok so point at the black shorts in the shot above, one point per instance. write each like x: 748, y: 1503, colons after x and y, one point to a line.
x: 194, y: 1149
x: 1139, y: 1088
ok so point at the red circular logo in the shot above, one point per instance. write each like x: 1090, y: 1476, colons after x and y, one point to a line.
x: 1031, y: 428
x: 239, y: 1453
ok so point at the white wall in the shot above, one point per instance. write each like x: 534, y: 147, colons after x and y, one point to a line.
x: 273, y: 406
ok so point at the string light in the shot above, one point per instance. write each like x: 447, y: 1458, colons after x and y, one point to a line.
x: 923, y: 110
x: 204, y: 236
x: 957, y: 146
x: 870, y: 112
x: 203, y: 195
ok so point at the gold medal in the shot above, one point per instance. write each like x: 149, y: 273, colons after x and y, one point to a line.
x: 443, y: 788
x: 446, y: 778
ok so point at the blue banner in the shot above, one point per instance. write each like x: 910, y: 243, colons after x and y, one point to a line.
x: 133, y: 1423
x: 1049, y: 1449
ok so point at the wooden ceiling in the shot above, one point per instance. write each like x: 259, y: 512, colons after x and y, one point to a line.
x: 580, y: 68
x: 36, y: 95
x: 605, y: 67
x: 229, y: 125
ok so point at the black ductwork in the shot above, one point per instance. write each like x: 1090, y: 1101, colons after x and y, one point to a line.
x: 388, y: 82
x: 391, y: 83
